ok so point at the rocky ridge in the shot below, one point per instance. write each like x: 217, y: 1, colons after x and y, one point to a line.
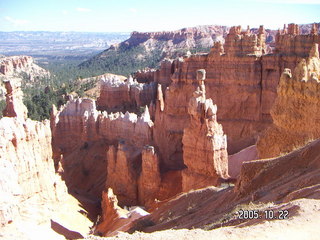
x: 148, y: 49
x: 19, y: 67
x: 16, y: 65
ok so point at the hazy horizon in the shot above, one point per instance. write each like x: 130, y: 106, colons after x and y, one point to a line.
x: 124, y: 16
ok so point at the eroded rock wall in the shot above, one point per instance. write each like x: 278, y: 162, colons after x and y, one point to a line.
x: 27, y: 170
x: 15, y: 65
x: 290, y: 41
x: 241, y: 80
x: 118, y: 94
x: 101, y: 148
x: 295, y: 115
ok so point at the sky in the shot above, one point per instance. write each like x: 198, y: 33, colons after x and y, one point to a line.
x: 151, y: 15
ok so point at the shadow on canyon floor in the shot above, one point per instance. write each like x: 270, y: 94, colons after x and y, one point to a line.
x: 68, y: 234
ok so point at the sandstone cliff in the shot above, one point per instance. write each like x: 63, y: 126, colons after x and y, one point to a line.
x: 95, y: 150
x: 295, y: 115
x: 27, y: 167
x: 146, y: 158
x: 27, y: 179
x: 34, y: 200
x: 147, y: 49
x: 19, y: 67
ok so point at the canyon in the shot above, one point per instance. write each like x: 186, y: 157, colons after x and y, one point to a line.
x: 183, y: 147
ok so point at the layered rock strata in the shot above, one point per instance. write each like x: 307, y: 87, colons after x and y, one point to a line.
x: 289, y: 41
x: 204, y: 143
x: 118, y: 94
x: 295, y: 115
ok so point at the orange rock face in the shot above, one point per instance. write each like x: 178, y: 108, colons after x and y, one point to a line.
x: 14, y: 104
x: 82, y: 136
x: 294, y: 113
x: 118, y: 94
x: 150, y: 178
x: 241, y: 81
x: 115, y: 218
x: 291, y: 42
x: 204, y: 143
x: 122, y: 175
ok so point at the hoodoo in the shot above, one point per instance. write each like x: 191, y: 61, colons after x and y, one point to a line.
x: 204, y: 141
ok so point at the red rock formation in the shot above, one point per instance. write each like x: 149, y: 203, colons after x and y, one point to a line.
x: 122, y: 175
x: 238, y: 43
x: 82, y: 136
x: 15, y: 65
x: 107, y: 149
x: 14, y: 104
x: 243, y: 86
x: 150, y: 178
x: 294, y: 113
x: 291, y: 42
x: 236, y: 160
x: 118, y: 94
x: 111, y: 212
x: 288, y: 183
x: 204, y: 144
x: 115, y: 218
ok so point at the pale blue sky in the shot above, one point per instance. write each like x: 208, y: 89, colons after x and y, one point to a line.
x: 144, y: 15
